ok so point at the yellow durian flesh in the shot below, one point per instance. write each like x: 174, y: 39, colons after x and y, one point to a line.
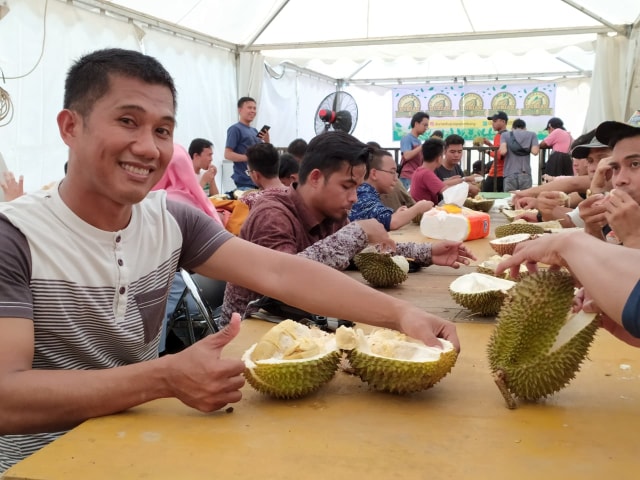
x: 538, y: 345
x: 392, y: 362
x: 291, y: 360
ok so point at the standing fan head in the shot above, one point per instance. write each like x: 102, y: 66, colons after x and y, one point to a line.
x: 337, y: 111
x: 341, y: 120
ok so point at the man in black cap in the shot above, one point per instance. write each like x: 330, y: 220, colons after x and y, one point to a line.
x: 559, y: 162
x: 620, y: 209
x: 495, y: 177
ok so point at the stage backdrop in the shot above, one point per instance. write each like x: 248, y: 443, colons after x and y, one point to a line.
x: 463, y: 109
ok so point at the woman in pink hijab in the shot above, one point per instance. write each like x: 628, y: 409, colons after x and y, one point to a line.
x: 181, y: 183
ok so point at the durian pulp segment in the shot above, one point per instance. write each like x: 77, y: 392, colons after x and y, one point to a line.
x: 397, y: 346
x: 401, y: 262
x: 291, y: 341
x: 574, y: 324
x: 479, y: 282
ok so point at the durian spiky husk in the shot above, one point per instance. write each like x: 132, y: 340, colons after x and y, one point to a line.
x: 382, y: 269
x: 479, y: 203
x: 518, y: 227
x: 480, y: 293
x: 537, y: 345
x: 291, y: 360
x: 392, y: 362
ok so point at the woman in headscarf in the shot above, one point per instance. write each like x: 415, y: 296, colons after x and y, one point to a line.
x: 181, y: 185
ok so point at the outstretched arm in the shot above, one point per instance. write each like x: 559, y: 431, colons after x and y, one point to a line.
x: 608, y: 272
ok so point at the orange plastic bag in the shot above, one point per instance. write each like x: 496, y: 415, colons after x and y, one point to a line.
x: 233, y: 213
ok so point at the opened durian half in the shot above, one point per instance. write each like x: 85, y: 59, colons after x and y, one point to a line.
x: 538, y: 345
x: 507, y: 245
x: 480, y: 293
x: 479, y: 203
x: 291, y: 360
x: 489, y: 266
x: 392, y: 362
x: 382, y: 269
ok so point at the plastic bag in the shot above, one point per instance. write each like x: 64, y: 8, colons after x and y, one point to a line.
x: 456, y: 194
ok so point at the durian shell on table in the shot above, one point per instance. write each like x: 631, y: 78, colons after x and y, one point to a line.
x: 385, y: 373
x: 507, y: 245
x: 524, y: 346
x: 382, y: 270
x: 294, y: 377
x: 480, y: 293
x: 479, y: 204
x: 518, y: 227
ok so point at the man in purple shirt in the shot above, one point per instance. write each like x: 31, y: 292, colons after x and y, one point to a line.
x: 311, y: 220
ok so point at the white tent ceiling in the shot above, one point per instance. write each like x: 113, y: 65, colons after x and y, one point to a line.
x: 383, y: 40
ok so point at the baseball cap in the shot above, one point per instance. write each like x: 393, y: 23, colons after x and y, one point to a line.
x: 582, y: 151
x: 555, y: 122
x: 499, y: 115
x: 610, y: 132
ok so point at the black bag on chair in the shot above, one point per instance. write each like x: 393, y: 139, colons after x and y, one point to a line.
x: 276, y: 311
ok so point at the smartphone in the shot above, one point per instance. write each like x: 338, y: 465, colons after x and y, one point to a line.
x: 263, y: 130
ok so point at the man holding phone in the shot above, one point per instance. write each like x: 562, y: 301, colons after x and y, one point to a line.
x: 240, y: 136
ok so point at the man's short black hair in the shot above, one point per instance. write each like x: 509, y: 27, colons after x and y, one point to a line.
x: 432, y: 149
x: 89, y: 77
x: 244, y: 100
x: 288, y: 165
x: 297, y: 147
x: 453, y: 139
x: 418, y: 117
x: 197, y: 145
x: 329, y: 151
x: 263, y: 158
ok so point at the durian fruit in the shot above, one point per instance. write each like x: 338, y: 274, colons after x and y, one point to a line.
x: 538, y: 345
x: 392, y: 362
x: 291, y: 360
x: 488, y: 267
x: 480, y: 293
x: 506, y: 245
x: 518, y: 227
x: 478, y: 141
x: 381, y: 269
x: 479, y: 203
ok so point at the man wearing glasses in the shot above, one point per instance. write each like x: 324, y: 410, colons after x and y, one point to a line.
x: 380, y: 179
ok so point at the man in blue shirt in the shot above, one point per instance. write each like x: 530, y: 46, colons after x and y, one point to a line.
x: 240, y: 136
x: 381, y: 178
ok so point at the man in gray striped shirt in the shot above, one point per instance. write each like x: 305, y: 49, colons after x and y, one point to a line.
x: 87, y: 265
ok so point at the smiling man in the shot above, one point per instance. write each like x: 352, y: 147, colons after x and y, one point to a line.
x: 86, y: 269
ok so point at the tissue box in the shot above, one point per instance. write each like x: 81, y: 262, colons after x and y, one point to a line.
x: 455, y: 223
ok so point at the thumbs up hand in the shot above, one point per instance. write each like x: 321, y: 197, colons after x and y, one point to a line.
x: 200, y: 378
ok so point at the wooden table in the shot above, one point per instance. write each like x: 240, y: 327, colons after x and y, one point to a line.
x: 460, y: 429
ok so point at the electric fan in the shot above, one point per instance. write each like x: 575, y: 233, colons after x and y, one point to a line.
x: 337, y: 111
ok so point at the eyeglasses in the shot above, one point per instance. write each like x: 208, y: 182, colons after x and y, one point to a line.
x: 390, y: 172
x: 248, y: 172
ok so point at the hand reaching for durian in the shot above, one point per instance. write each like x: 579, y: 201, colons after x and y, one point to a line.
x: 377, y: 235
x: 451, y: 254
x: 200, y: 378
x: 542, y: 249
x: 583, y: 301
x: 427, y: 328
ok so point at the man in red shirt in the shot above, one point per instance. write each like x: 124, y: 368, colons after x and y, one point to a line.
x: 495, y: 177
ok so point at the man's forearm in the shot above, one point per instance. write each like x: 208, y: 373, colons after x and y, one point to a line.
x: 608, y: 272
x: 52, y: 400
